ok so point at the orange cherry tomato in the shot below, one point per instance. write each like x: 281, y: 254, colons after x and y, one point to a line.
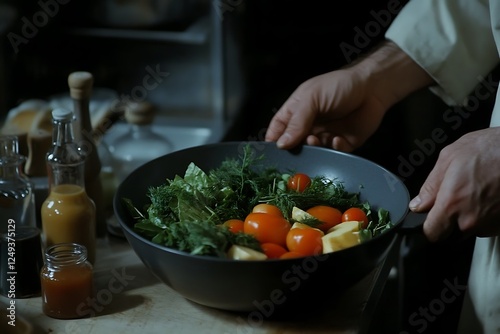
x: 355, y: 214
x: 273, y: 251
x: 329, y: 216
x: 291, y: 255
x: 266, y: 227
x: 267, y: 208
x: 306, y: 241
x: 299, y: 182
x: 234, y: 225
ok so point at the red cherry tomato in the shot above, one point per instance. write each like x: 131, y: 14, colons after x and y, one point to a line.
x: 306, y: 241
x: 266, y: 227
x: 355, y: 214
x: 267, y: 208
x: 329, y: 216
x: 299, y: 182
x: 273, y: 251
x: 234, y: 225
x: 291, y: 255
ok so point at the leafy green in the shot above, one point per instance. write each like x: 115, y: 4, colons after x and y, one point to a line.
x: 321, y: 191
x: 187, y: 213
x: 378, y: 226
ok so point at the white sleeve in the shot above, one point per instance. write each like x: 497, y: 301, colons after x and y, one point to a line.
x: 451, y: 39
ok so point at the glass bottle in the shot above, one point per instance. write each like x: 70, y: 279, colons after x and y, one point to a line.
x: 17, y: 199
x: 20, y: 271
x: 67, y: 281
x: 140, y: 144
x: 80, y: 86
x: 68, y: 214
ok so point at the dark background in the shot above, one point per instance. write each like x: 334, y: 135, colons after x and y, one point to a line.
x: 284, y: 43
x: 287, y: 42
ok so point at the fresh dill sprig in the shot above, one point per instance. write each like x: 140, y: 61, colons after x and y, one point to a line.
x: 321, y: 191
x: 187, y: 213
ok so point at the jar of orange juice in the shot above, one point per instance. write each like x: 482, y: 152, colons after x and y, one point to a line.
x: 66, y: 281
x: 68, y: 214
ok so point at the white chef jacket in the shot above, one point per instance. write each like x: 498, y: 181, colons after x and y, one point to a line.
x: 458, y: 43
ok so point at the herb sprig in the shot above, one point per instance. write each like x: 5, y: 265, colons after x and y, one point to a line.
x: 186, y: 213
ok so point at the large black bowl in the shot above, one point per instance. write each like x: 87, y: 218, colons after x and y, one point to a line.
x: 271, y: 284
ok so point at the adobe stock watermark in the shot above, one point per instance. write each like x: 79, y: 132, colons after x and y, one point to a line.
x: 139, y: 93
x: 425, y: 315
x: 153, y: 78
x: 221, y: 7
x: 292, y: 279
x: 30, y: 27
x: 372, y: 29
x: 454, y: 117
x: 116, y: 284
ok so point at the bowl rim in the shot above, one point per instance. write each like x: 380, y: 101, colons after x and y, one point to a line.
x: 131, y: 233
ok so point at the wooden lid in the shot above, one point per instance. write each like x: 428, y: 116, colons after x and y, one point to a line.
x: 80, y: 85
x: 140, y: 113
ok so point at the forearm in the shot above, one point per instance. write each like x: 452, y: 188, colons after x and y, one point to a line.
x: 392, y: 73
x: 451, y: 39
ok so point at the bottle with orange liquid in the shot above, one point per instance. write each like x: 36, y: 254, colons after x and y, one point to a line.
x: 68, y: 214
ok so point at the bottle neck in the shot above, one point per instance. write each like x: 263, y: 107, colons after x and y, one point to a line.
x: 11, y: 162
x: 12, y: 170
x: 82, y: 115
x: 66, y: 159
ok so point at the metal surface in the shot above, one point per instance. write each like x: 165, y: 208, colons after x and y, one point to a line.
x: 276, y: 284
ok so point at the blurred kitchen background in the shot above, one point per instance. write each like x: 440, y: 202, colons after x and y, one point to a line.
x: 217, y: 70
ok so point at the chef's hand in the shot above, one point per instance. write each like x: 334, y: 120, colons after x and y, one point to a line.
x: 463, y: 189
x: 337, y: 109
x: 343, y: 108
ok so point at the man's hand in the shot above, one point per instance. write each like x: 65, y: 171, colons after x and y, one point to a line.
x: 334, y: 110
x: 343, y: 108
x: 463, y: 189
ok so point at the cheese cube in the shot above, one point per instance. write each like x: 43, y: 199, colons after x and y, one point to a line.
x: 300, y: 225
x: 301, y: 215
x: 244, y: 253
x: 341, y: 236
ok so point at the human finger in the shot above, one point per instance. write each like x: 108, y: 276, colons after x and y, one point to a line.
x: 340, y: 143
x: 450, y: 200
x: 429, y: 189
x: 291, y: 123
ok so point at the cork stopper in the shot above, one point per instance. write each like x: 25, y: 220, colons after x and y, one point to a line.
x: 140, y: 113
x: 80, y: 85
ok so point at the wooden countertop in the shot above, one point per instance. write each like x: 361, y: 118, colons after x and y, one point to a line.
x: 130, y: 299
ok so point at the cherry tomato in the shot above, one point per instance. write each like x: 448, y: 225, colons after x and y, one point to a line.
x: 267, y: 208
x: 273, y: 251
x: 355, y: 214
x: 299, y: 182
x: 234, y: 225
x: 306, y: 241
x: 266, y: 227
x: 329, y: 216
x: 291, y: 255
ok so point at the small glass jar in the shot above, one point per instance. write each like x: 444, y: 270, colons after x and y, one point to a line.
x: 66, y: 281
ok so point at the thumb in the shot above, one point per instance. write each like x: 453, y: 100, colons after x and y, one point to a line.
x: 428, y: 192
x: 292, y: 122
x: 338, y: 143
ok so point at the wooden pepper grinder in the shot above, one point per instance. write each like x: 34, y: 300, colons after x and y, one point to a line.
x: 80, y: 85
